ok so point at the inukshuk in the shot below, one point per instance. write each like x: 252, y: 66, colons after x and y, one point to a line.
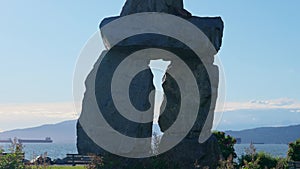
x: 189, y: 153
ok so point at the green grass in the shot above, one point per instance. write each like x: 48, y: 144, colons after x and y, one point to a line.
x: 62, y: 167
x: 66, y: 167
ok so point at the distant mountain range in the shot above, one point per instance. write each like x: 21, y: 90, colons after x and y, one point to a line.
x: 254, y: 118
x: 65, y: 132
x: 268, y: 135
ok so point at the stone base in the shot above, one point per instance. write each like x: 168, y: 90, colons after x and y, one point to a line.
x: 188, y: 154
x: 85, y: 145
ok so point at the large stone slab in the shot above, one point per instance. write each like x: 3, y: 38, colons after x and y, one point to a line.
x: 212, y: 27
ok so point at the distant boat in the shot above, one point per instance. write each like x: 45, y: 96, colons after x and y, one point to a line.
x: 257, y: 143
x: 47, y: 140
x: 6, y: 141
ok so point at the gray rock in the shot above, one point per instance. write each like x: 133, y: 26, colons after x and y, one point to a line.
x: 212, y: 27
x: 59, y: 161
x: 139, y: 94
x: 174, y: 7
x: 189, y: 149
x: 189, y: 154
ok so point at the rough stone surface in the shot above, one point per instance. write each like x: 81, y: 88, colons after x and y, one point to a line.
x: 212, y: 27
x: 189, y: 153
x: 174, y: 7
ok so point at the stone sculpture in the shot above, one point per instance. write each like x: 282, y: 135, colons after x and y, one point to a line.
x: 189, y: 153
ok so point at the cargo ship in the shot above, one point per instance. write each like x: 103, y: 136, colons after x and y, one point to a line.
x: 6, y: 141
x: 47, y: 140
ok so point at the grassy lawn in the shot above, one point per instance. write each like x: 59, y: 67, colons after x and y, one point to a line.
x: 63, y: 167
x: 66, y: 167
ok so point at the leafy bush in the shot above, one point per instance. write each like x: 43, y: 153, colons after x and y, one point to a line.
x: 261, y: 160
x: 96, y: 162
x: 13, y: 160
x: 294, y: 151
x: 226, y: 144
x: 227, y: 164
x: 252, y: 164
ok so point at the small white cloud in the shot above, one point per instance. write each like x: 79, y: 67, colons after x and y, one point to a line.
x: 226, y: 121
x: 283, y: 103
x: 295, y: 111
x: 259, y: 102
x: 278, y: 102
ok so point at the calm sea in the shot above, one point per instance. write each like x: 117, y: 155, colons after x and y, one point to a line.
x: 277, y: 150
x: 56, y: 150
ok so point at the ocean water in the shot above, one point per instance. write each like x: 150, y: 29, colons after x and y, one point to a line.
x: 276, y: 150
x: 53, y: 150
x: 56, y: 150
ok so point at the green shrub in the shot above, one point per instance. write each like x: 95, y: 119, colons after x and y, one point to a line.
x: 226, y: 144
x: 227, y: 164
x: 261, y: 160
x: 252, y: 164
x: 96, y: 162
x: 13, y: 160
x: 294, y: 151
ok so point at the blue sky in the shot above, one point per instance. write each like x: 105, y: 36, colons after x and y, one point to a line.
x: 41, y: 40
